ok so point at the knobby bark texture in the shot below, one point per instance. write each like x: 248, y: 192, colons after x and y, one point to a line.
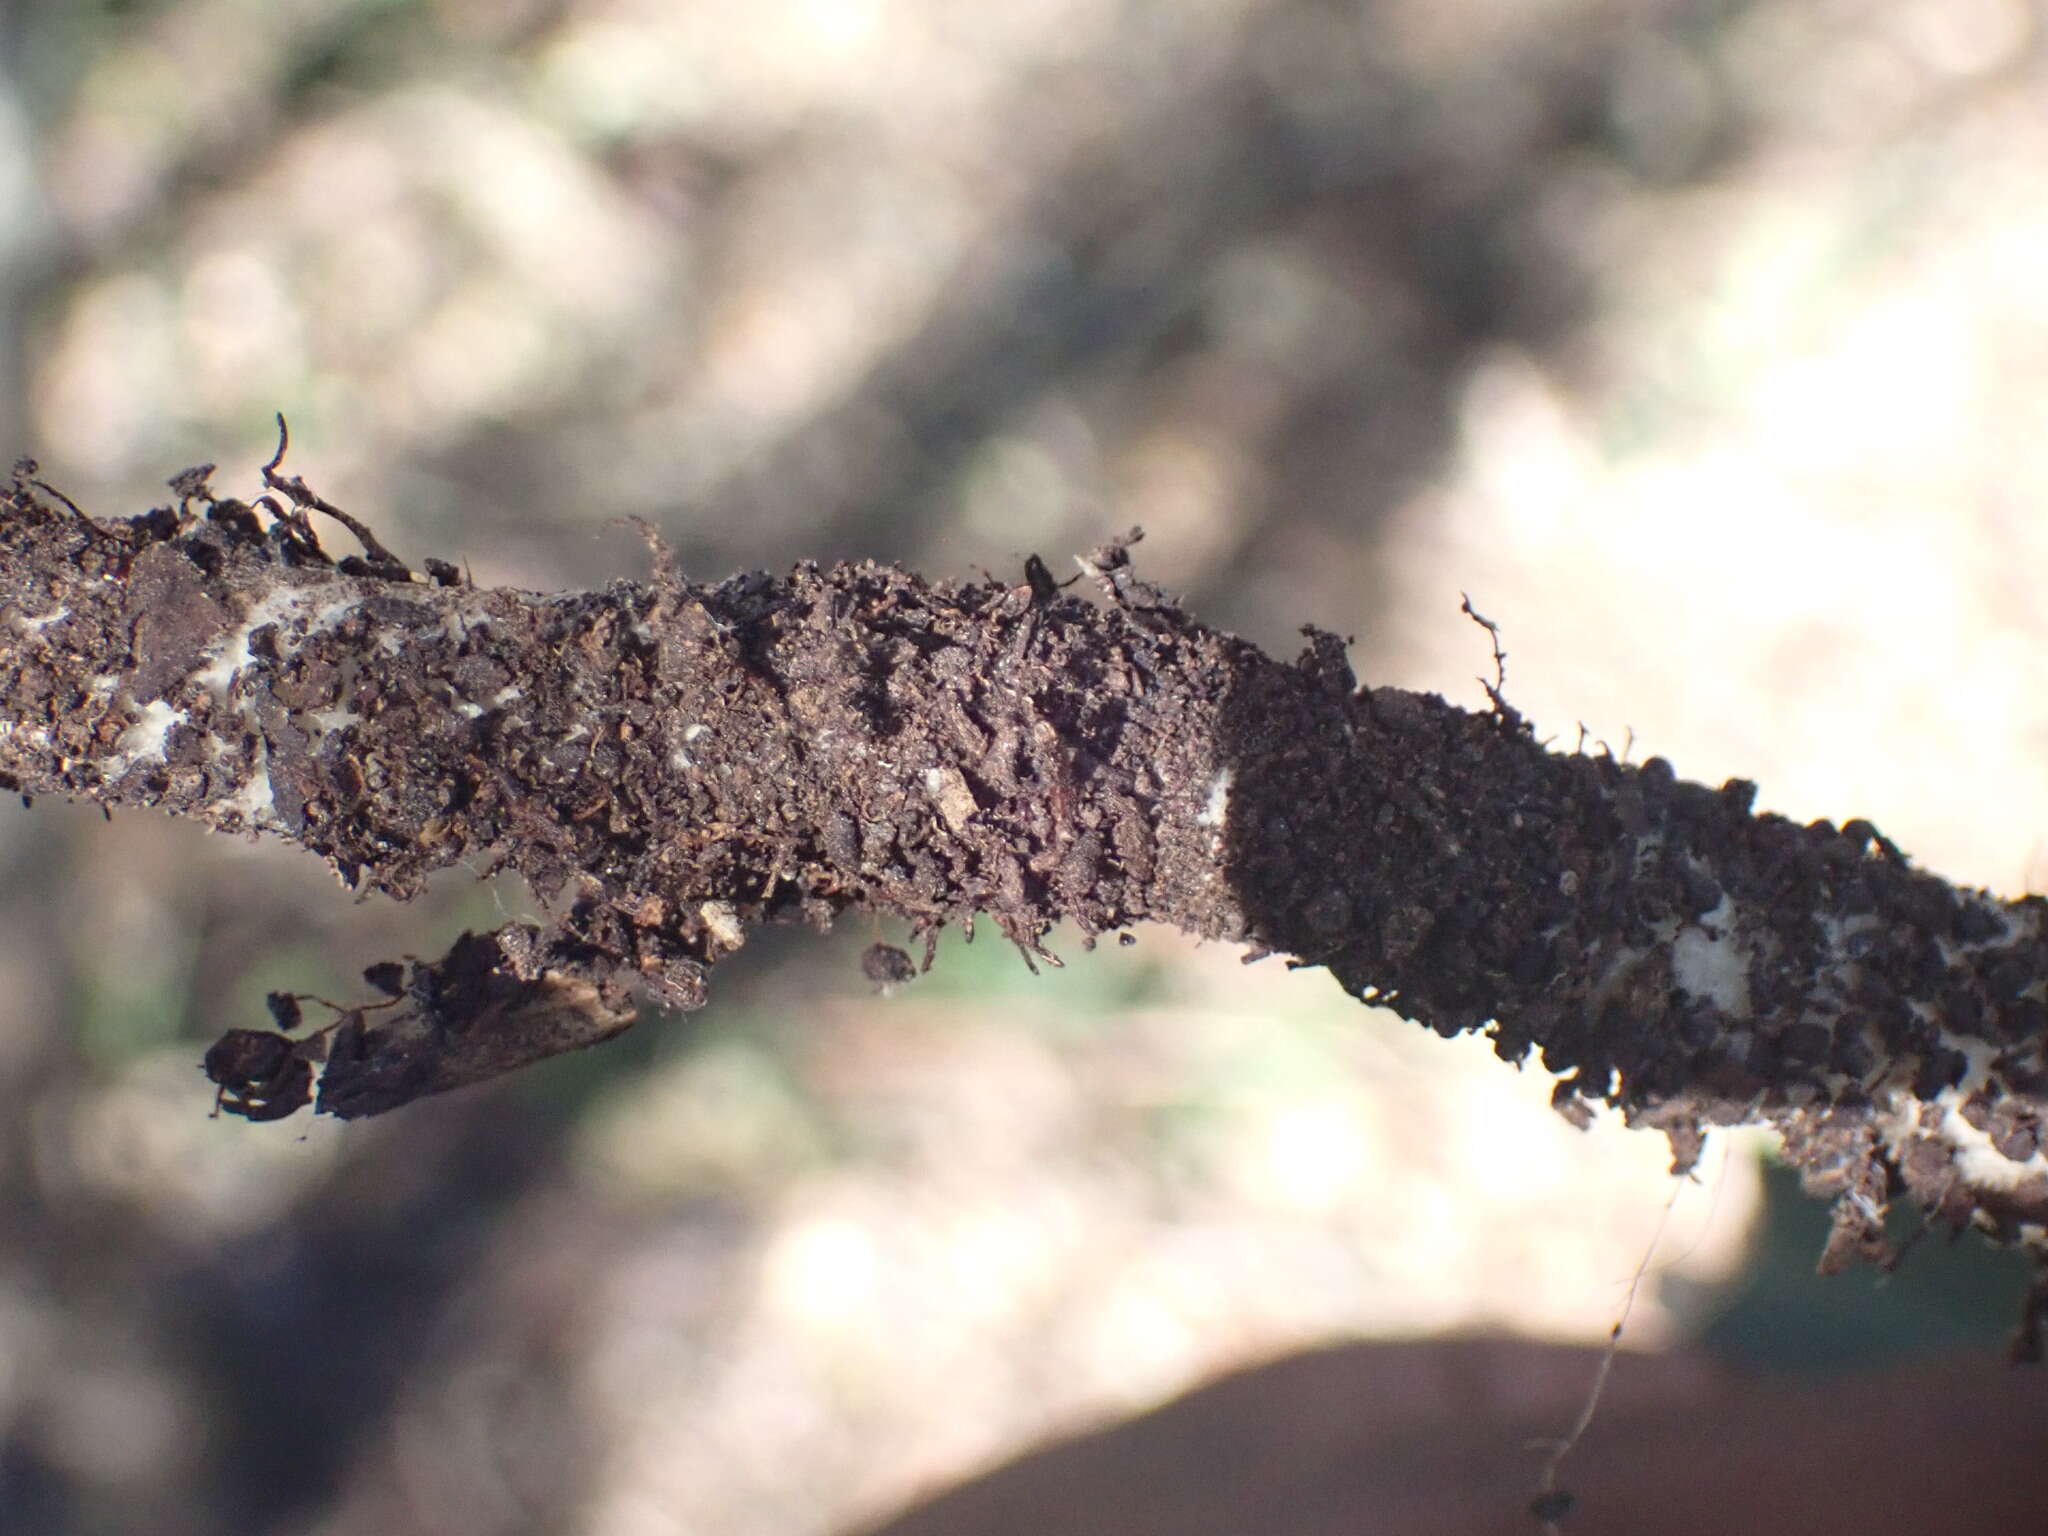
x: 670, y: 763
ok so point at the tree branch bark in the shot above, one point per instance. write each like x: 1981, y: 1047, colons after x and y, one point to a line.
x: 671, y: 763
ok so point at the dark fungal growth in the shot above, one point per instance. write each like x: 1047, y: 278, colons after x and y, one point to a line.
x: 671, y: 763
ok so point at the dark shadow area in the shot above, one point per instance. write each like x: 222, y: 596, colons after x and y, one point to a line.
x: 1407, y: 1439
x: 306, y: 1333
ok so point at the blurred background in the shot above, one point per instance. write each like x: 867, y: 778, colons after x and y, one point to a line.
x: 1703, y: 343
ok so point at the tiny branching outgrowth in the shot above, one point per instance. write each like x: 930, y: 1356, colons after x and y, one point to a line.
x: 670, y: 763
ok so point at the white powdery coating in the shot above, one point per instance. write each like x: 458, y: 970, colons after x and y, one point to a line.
x: 680, y: 758
x: 1708, y: 965
x: 253, y: 802
x: 2016, y: 925
x: 1976, y: 1158
x: 299, y: 613
x: 280, y: 607
x: 1973, y: 1156
x: 144, y: 740
x: 1980, y: 1163
x: 1216, y: 809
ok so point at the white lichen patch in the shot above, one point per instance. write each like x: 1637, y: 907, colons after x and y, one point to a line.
x: 254, y: 803
x: 144, y: 740
x: 327, y: 721
x: 231, y: 654
x: 299, y: 614
x: 1980, y: 1163
x: 1975, y: 1158
x: 1708, y: 965
x: 2014, y: 925
x: 1216, y: 807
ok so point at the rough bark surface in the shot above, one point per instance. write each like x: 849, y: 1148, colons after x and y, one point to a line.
x: 671, y: 763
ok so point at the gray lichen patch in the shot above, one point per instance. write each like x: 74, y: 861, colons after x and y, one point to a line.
x: 1708, y: 963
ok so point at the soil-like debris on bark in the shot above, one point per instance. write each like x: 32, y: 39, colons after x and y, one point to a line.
x: 670, y: 763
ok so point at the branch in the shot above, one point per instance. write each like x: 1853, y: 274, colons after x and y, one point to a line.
x: 670, y: 764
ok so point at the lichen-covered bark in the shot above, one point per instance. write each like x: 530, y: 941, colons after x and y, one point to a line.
x: 671, y: 763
